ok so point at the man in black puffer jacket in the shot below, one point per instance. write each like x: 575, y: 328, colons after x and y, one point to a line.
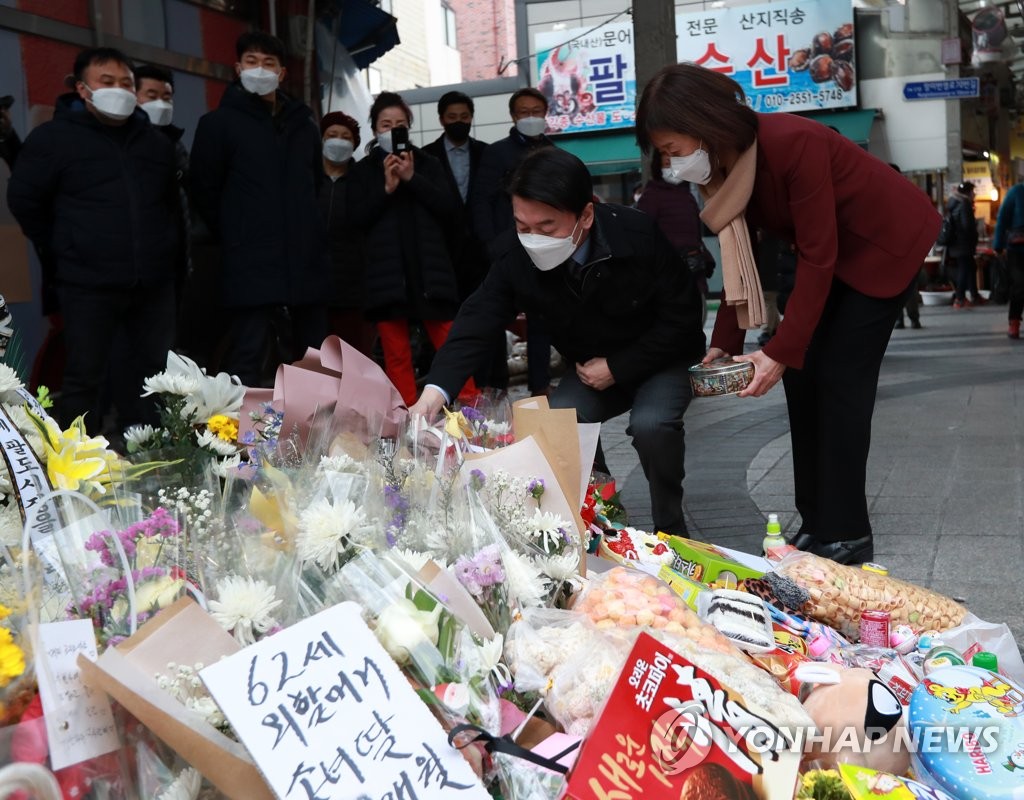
x: 256, y: 168
x: 95, y: 190
x: 619, y: 303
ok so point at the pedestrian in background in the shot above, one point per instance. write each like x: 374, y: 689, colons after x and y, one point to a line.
x: 256, y: 167
x: 861, y: 233
x: 96, y: 190
x: 620, y: 306
x: 1008, y: 242
x: 460, y: 155
x: 492, y: 208
x: 340, y: 135
x: 960, y: 209
x: 403, y: 202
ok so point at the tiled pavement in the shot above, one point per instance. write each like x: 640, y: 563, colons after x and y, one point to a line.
x: 945, y: 476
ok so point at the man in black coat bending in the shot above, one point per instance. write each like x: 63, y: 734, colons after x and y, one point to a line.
x: 95, y: 190
x: 256, y: 167
x: 618, y: 302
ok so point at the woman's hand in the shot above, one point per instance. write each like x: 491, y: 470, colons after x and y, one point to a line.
x: 714, y: 354
x: 391, y: 179
x: 767, y: 373
x: 406, y: 168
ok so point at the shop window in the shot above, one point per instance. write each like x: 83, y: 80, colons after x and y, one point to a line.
x: 449, y: 26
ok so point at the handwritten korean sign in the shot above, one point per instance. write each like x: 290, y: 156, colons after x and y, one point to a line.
x: 79, y: 725
x: 588, y: 76
x: 793, y: 55
x: 327, y: 715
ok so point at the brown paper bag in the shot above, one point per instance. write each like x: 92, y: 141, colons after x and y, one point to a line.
x: 182, y: 632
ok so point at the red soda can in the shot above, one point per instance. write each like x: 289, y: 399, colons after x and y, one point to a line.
x: 874, y: 628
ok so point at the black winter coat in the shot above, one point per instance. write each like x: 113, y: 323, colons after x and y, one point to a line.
x: 960, y: 208
x: 468, y: 253
x: 634, y: 304
x: 409, y: 272
x: 344, y: 243
x: 101, y: 202
x: 254, y: 181
x: 492, y: 206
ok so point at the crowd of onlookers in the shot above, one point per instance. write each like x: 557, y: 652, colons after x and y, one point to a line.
x: 263, y: 240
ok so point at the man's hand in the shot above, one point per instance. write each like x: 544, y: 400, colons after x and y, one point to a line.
x: 767, y: 373
x: 595, y: 374
x: 406, y: 169
x: 428, y: 405
x: 391, y: 179
x: 714, y: 354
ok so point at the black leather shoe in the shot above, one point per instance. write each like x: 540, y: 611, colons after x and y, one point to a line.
x: 803, y: 541
x: 852, y: 551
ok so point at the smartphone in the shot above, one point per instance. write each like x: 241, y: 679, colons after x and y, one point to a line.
x: 400, y: 141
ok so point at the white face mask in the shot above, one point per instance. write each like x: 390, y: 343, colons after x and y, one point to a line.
x: 384, y: 141
x: 695, y: 167
x: 670, y: 175
x: 338, y: 151
x: 547, y: 252
x: 259, y: 81
x: 531, y: 126
x: 113, y: 102
x: 159, y: 111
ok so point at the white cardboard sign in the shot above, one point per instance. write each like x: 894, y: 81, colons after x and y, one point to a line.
x: 326, y: 713
x: 79, y: 724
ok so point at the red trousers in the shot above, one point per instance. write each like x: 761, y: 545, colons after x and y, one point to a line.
x: 394, y: 340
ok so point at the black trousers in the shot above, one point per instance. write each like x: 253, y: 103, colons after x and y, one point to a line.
x: 1015, y: 272
x: 831, y: 402
x: 656, y: 409
x: 306, y: 326
x: 141, y: 321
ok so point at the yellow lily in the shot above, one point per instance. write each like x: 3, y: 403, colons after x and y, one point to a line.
x: 67, y: 469
x: 273, y: 508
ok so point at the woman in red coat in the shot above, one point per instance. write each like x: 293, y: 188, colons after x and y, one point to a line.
x: 861, y: 233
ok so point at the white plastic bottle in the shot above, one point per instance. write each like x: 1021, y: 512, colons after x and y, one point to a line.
x: 773, y: 535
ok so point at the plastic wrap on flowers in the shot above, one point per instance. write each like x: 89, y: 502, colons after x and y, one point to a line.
x: 839, y: 594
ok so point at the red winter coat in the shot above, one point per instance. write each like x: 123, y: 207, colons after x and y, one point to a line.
x: 851, y: 216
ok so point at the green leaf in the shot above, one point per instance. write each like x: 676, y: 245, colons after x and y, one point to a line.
x: 423, y: 601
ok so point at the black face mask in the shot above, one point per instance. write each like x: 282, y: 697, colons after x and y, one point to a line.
x: 458, y: 132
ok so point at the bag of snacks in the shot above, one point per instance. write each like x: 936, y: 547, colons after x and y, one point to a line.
x: 840, y: 594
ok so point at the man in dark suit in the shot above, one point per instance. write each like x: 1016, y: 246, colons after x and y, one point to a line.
x: 460, y: 154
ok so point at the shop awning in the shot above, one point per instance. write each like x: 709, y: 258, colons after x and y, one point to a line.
x: 365, y: 31
x: 854, y: 125
x: 604, y: 154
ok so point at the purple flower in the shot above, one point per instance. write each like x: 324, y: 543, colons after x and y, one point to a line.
x: 477, y: 480
x: 399, y: 505
x: 471, y: 414
x: 536, y: 488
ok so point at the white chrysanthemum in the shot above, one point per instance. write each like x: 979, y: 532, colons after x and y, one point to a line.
x: 565, y: 567
x: 138, y: 436
x: 9, y: 380
x: 208, y: 440
x: 244, y: 607
x: 5, y: 480
x: 10, y: 523
x: 338, y: 463
x: 549, y: 530
x: 498, y: 428
x: 412, y: 558
x: 226, y: 467
x: 184, y: 787
x: 166, y: 383
x: 523, y: 580
x: 324, y: 531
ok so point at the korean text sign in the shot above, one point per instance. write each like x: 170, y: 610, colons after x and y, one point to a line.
x: 795, y: 55
x: 588, y: 77
x: 327, y: 715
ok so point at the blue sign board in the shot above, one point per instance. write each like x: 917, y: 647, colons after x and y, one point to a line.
x: 942, y: 90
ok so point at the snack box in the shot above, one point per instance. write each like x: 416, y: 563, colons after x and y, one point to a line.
x: 669, y: 730
x: 684, y: 587
x: 703, y: 562
x: 870, y: 784
x: 970, y: 731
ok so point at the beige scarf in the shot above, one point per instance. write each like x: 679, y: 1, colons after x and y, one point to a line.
x: 725, y: 203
